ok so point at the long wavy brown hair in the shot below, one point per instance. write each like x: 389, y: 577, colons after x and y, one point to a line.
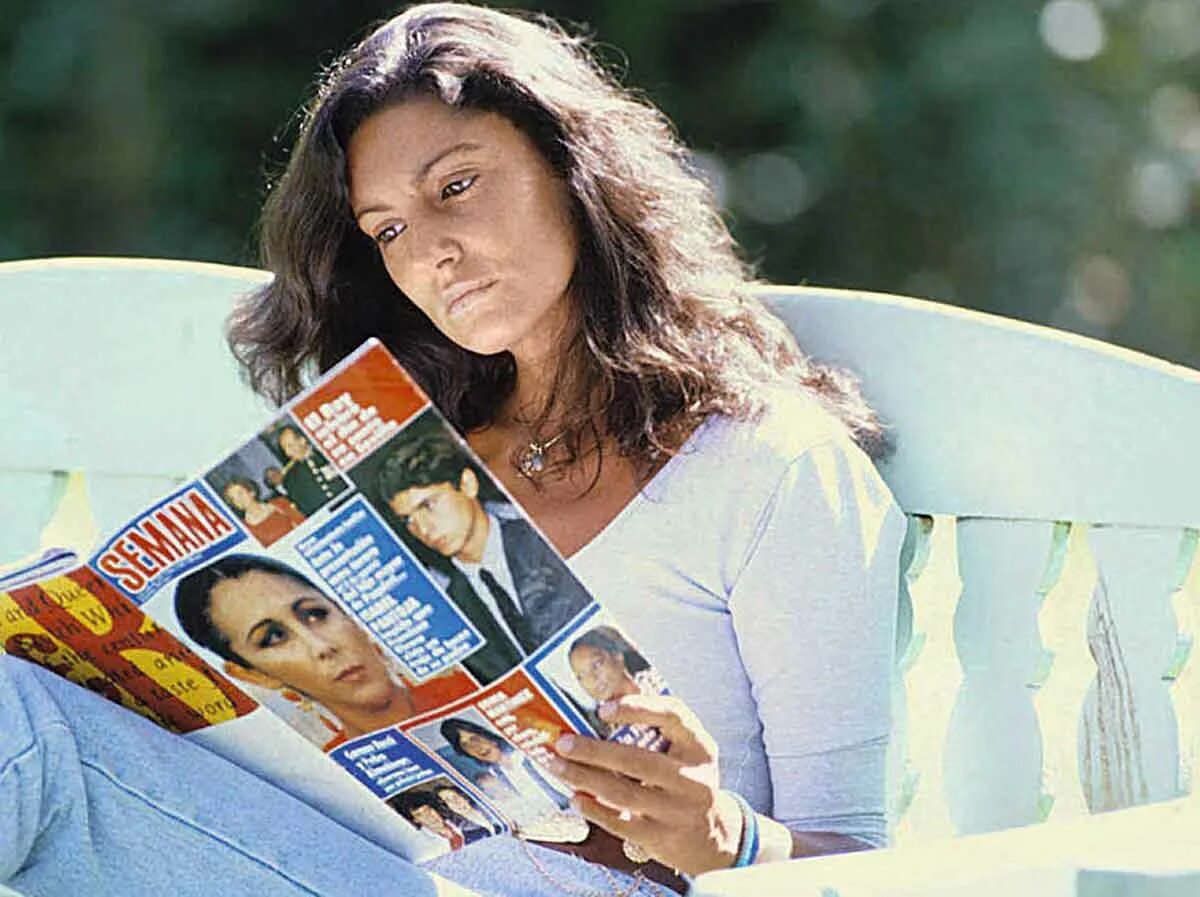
x: 667, y: 329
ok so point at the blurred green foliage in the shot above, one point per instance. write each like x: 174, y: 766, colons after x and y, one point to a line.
x: 1040, y: 160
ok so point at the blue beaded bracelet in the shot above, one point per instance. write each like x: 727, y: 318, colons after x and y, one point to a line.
x: 748, y: 850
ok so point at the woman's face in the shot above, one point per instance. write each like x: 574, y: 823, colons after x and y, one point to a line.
x: 472, y: 223
x: 456, y: 802
x: 427, y: 817
x: 480, y: 747
x: 239, y: 496
x: 601, y: 673
x: 293, y: 444
x: 294, y: 636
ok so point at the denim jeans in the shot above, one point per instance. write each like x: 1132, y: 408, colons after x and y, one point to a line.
x: 95, y: 800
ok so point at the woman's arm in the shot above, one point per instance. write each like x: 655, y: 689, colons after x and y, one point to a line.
x: 813, y: 608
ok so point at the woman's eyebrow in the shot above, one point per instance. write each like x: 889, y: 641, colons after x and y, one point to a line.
x: 460, y: 147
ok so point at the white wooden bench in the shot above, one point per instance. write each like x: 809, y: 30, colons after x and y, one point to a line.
x: 1054, y: 492
x: 1051, y: 588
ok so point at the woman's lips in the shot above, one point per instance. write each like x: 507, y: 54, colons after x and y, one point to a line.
x: 460, y: 297
x: 350, y: 674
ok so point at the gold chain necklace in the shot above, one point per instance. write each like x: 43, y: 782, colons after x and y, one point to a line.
x: 615, y: 890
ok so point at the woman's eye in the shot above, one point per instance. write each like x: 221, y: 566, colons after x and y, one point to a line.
x: 272, y: 635
x: 454, y: 188
x: 387, y: 234
x: 315, y: 613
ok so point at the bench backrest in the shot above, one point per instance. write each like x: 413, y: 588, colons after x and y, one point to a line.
x: 1050, y: 594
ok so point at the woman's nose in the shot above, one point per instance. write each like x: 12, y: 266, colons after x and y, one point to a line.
x: 320, y: 646
x: 439, y: 248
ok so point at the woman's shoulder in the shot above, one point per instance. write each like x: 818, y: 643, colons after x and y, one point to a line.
x: 789, y: 425
x: 741, y: 461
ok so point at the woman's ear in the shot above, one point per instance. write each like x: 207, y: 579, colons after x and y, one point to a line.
x: 248, y: 674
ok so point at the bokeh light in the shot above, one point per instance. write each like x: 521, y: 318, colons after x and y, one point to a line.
x: 1174, y: 114
x: 771, y: 188
x: 1072, y: 29
x: 1160, y: 194
x: 831, y: 88
x: 1171, y: 28
x: 1100, y: 291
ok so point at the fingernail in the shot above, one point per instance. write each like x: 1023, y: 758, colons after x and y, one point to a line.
x: 557, y: 764
x: 607, y: 709
x: 565, y: 744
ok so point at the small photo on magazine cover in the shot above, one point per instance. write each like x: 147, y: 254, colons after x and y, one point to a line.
x: 250, y: 482
x: 483, y: 553
x: 596, y: 662
x: 363, y: 403
x: 520, y: 788
x: 443, y: 808
x: 298, y: 470
x: 268, y: 625
x: 521, y: 711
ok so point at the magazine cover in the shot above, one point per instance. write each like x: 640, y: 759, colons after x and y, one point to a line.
x: 349, y: 584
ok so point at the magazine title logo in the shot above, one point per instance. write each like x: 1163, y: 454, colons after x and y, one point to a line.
x: 178, y: 533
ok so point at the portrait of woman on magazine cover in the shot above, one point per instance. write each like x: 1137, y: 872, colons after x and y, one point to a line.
x: 276, y: 630
x: 442, y: 809
x: 608, y: 668
x: 268, y: 520
x: 538, y: 249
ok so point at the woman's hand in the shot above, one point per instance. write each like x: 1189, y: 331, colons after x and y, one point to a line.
x: 669, y: 803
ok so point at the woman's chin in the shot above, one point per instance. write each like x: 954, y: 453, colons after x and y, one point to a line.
x: 481, y: 344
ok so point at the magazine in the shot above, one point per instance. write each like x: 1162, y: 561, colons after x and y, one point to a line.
x: 350, y: 606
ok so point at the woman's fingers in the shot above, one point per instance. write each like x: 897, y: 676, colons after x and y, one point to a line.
x: 689, y: 740
x: 614, y: 821
x: 634, y: 762
x: 669, y: 803
x: 613, y: 789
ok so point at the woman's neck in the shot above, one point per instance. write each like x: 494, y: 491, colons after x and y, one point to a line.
x: 533, y: 400
x: 258, y: 512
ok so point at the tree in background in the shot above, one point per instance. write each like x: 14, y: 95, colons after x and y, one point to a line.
x: 1036, y: 159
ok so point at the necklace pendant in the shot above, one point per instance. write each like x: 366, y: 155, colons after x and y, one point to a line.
x: 532, y: 460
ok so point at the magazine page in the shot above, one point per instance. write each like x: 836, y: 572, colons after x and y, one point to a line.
x: 76, y: 624
x: 45, y: 565
x: 353, y: 574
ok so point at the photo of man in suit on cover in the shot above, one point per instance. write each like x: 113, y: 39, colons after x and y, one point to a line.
x: 498, y: 570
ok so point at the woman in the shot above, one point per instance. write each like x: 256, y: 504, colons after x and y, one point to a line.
x: 534, y: 245
x: 472, y: 821
x: 268, y: 521
x: 608, y: 667
x: 276, y: 630
x: 429, y: 814
x: 491, y: 753
x: 534, y: 801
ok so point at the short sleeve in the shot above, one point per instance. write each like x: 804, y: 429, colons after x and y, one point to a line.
x: 814, y: 612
